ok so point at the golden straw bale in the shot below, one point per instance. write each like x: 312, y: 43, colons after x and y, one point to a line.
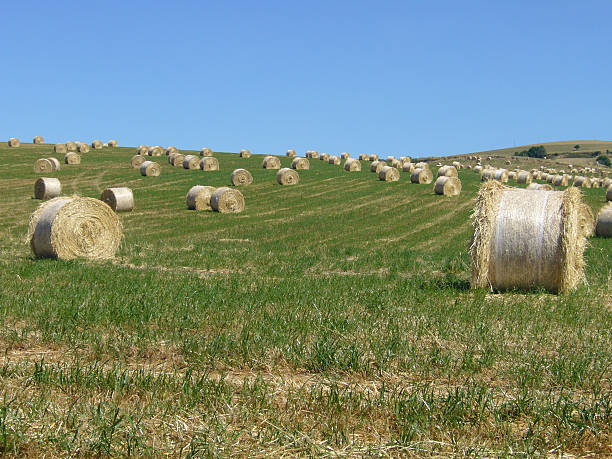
x: 582, y: 181
x: 457, y: 165
x: 501, y: 175
x: 609, y: 193
x: 606, y: 183
x: 13, y: 142
x: 487, y: 174
x: 113, y: 143
x: 376, y: 166
x: 390, y: 159
x: 364, y: 157
x: 245, y: 154
x: 241, y: 177
x: 447, y: 171
x: 408, y: 167
x: 324, y: 157
x: 352, y: 165
x: 524, y: 177
x: 120, y: 199
x: 198, y: 197
x: 447, y: 186
x: 171, y: 157
x: 421, y: 175
x: 43, y: 165
x: 373, y: 157
x: 314, y: 154
x: 389, y: 174
x: 156, y: 151
x: 38, y: 140
x: 171, y: 149
x: 83, y: 148
x: 334, y: 160
x: 143, y: 150
x: 287, y: 176
x: 512, y: 175
x: 421, y: 165
x: 539, y: 186
x: 271, y: 162
x: 604, y: 222
x: 209, y: 163
x: 178, y: 160
x: 96, y: 145
x: 206, y: 152
x: 291, y: 154
x: 72, y: 158
x: 71, y: 146
x: 560, y: 180
x: 137, y: 161
x: 300, y: 164
x: 595, y: 183
x: 345, y: 156
x: 227, y: 200
x: 587, y: 220
x: 191, y: 162
x: 396, y: 164
x: 47, y: 188
x: 60, y: 148
x: 150, y: 169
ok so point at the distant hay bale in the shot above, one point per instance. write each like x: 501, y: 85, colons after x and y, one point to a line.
x: 228, y: 200
x: 300, y: 164
x: 550, y: 178
x: 191, y: 162
x: 137, y: 161
x: 421, y: 165
x: 396, y: 164
x: 74, y: 227
x: 198, y: 197
x: 60, y: 148
x: 271, y: 162
x: 241, y: 177
x: 150, y: 169
x: 156, y: 151
x: 334, y: 160
x: 364, y: 157
x: 389, y: 174
x: 594, y: 183
x: 209, y: 163
x: 527, y: 239
x: 324, y: 157
x: 501, y: 175
x: 448, y: 171
x: 373, y: 158
x: 47, y: 188
x: 287, y: 176
x: 352, y: 165
x: 171, y: 157
x: 457, y: 165
x: 43, y: 165
x: 539, y: 186
x: 390, y: 159
x: 72, y: 158
x: 582, y: 181
x: 376, y: 166
x: 604, y: 222
x: 421, y: 175
x: 407, y: 166
x: 171, y: 149
x: 609, y: 193
x: 508, y: 162
x: 512, y: 175
x: 587, y: 220
x: 56, y: 164
x: 345, y: 156
x: 83, y: 148
x: 71, y: 146
x: 606, y: 183
x: 523, y: 177
x: 113, y: 143
x: 245, y: 154
x: 447, y: 186
x: 487, y: 174
x: 143, y: 150
x: 206, y: 152
x: 96, y: 145
x: 314, y: 154
x: 38, y: 140
x: 291, y: 154
x: 560, y: 180
x: 178, y: 159
x: 13, y: 142
x: 120, y: 199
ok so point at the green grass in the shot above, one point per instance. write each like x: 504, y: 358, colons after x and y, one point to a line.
x: 330, y: 318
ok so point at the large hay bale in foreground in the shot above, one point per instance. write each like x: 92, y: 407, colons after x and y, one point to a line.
x: 156, y: 151
x: 13, y: 142
x: 96, y: 145
x: 245, y: 154
x: 72, y: 158
x: 448, y: 171
x: 113, y: 143
x: 300, y: 164
x: 241, y: 177
x: 209, y: 163
x: 38, y: 140
x: 291, y: 154
x: 389, y: 174
x: 150, y: 169
x: 271, y: 162
x: 352, y: 165
x: 604, y: 222
x: 539, y: 186
x: 74, y: 227
x: 47, y: 188
x: 334, y: 160
x: 287, y: 176
x: 376, y: 166
x: 421, y: 176
x: 206, y: 152
x: 60, y: 148
x: 137, y: 161
x: 83, y: 148
x: 524, y: 177
x: 582, y: 181
x: 198, y: 197
x: 447, y: 186
x: 227, y: 200
x: 43, y: 165
x: 119, y: 199
x: 527, y: 239
x: 191, y: 162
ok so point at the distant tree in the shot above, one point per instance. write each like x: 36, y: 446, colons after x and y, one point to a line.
x: 576, y: 147
x: 604, y: 160
x: 533, y: 152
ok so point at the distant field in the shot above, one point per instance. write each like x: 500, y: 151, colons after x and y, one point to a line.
x: 330, y: 318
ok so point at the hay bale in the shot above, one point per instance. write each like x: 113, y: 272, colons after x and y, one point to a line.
x: 72, y: 158
x: 527, y: 239
x: 71, y: 146
x: 300, y: 164
x: 209, y: 163
x: 345, y: 156
x: 43, y: 165
x: 156, y: 151
x: 501, y: 175
x: 447, y: 186
x: 324, y: 157
x: 594, y: 183
x: 334, y: 160
x: 38, y: 140
x: 198, y: 197
x: 150, y: 169
x: 508, y: 162
x: 271, y: 162
x: 512, y: 175
x: 421, y: 165
x: 364, y: 157
x: 539, y: 186
x: 582, y: 181
x: 227, y: 200
x: 524, y: 177
x: 55, y: 163
x: 587, y: 220
x: 74, y: 227
x: 60, y: 148
x: 606, y: 183
x: 143, y: 150
x: 390, y: 159
x: 421, y: 175
x: 206, y: 152
x: 408, y: 167
x: 113, y: 143
x: 191, y: 162
x: 314, y: 154
x: 13, y: 142
x: 291, y: 154
x: 171, y: 157
x: 352, y: 165
x: 609, y: 193
x: 487, y: 174
x: 457, y: 165
x: 47, y: 188
x: 560, y: 180
x: 287, y: 176
x: 119, y: 199
x: 178, y: 159
x: 245, y: 154
x: 241, y: 177
x: 604, y: 222
x: 376, y: 166
x: 447, y: 171
x: 170, y: 149
x: 389, y: 174
x: 137, y: 161
x: 83, y: 148
x: 396, y: 164
x: 96, y: 145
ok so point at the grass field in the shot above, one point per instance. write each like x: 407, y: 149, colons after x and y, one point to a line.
x: 330, y: 318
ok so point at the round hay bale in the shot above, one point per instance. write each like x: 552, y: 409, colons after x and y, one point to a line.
x: 156, y: 151
x: 390, y: 159
x: 198, y: 197
x: 587, y: 220
x: 396, y: 164
x: 345, y: 156
x: 457, y: 165
x: 171, y: 157
x: 150, y: 169
x: 191, y: 162
x: 245, y: 154
x: 228, y: 200
x: 113, y: 143
x: 324, y: 157
x: 539, y: 186
x: 376, y: 166
x: 71, y: 146
x: 43, y: 165
x: 291, y: 154
x: 560, y: 180
x: 604, y: 222
x: 609, y: 193
x: 170, y: 149
x: 300, y: 164
x: 241, y: 177
x: 352, y: 165
x: 60, y: 148
x: 74, y: 227
x: 408, y: 167
x: 13, y: 142
x: 487, y: 174
x: 524, y: 177
x: 421, y: 165
x: 389, y: 174
x: 178, y: 159
x: 287, y: 176
x: 96, y: 145
x: 55, y: 162
x: 137, y: 161
x: 47, y: 188
x: 595, y: 183
x: 143, y: 150
x: 501, y: 175
x: 508, y: 162
x: 119, y: 199
x: 582, y: 181
x: 606, y: 184
x: 527, y: 239
x: 447, y: 186
x: 364, y: 157
x: 271, y: 162
x: 314, y: 154
x: 38, y: 140
x: 421, y: 175
x: 373, y: 158
x: 447, y: 171
x: 209, y: 163
x: 334, y: 160
x: 550, y: 178
x: 72, y: 158
x: 83, y: 148
x: 206, y: 152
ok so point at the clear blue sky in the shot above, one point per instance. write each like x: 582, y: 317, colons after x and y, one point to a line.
x: 407, y: 77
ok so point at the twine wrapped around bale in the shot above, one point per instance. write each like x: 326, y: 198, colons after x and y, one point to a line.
x: 43, y: 165
x: 287, y: 176
x: 13, y: 142
x: 582, y: 181
x: 421, y: 175
x: 324, y: 157
x: 137, y: 161
x: 408, y: 167
x: 524, y: 177
x: 271, y: 162
x: 345, y: 156
x: 604, y: 222
x: 291, y: 154
x: 96, y: 145
x: 156, y: 151
x: 143, y: 150
x: 191, y: 162
x: 206, y: 152
x: 198, y: 197
x: 539, y: 186
x: 376, y: 166
x: 113, y: 143
x: 74, y: 227
x: 60, y: 148
x: 448, y: 171
x: 120, y: 199
x: 47, y: 188
x: 170, y: 149
x: 227, y: 200
x: 501, y: 175
x: 300, y: 164
x: 447, y: 186
x: 334, y: 160
x: 71, y: 146
x: 241, y: 177
x: 245, y: 154
x: 352, y: 165
x: 209, y: 163
x: 527, y: 239
x: 389, y: 174
x: 38, y: 140
x: 72, y: 158
x: 150, y: 169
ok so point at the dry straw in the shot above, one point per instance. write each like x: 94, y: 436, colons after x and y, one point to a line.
x: 373, y: 157
x: 55, y: 163
x: 447, y: 171
x: 71, y: 146
x: 314, y: 154
x: 60, y: 148
x: 352, y: 165
x: 345, y: 156
x: 119, y: 199
x: 421, y: 165
x: 560, y: 180
x: 526, y: 239
x: 209, y: 163
x: 587, y: 220
x: 457, y: 165
x: 137, y: 161
x: 396, y: 164
x: 206, y: 152
x: 150, y: 169
x: 43, y: 165
x: 271, y: 162
x: 604, y: 222
x: 376, y: 166
x: 389, y: 174
x: 364, y: 157
x: 408, y: 167
x: 72, y: 158
x: 539, y: 186
x: 177, y: 160
x: 334, y: 160
x: 13, y: 142
x: 47, y: 188
x: 38, y: 139
x: 198, y: 197
x: 170, y: 149
x: 300, y: 164
x: 501, y: 175
x: 156, y: 151
x: 524, y: 177
x: 241, y: 177
x: 287, y: 176
x: 245, y: 154
x: 191, y: 162
x: 74, y: 227
x: 421, y: 175
x: 582, y: 181
x: 447, y: 186
x: 291, y: 153
x: 96, y: 145
x: 113, y: 143
x: 324, y: 157
x: 83, y: 148
x: 390, y: 159
x: 143, y: 150
x: 227, y: 200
